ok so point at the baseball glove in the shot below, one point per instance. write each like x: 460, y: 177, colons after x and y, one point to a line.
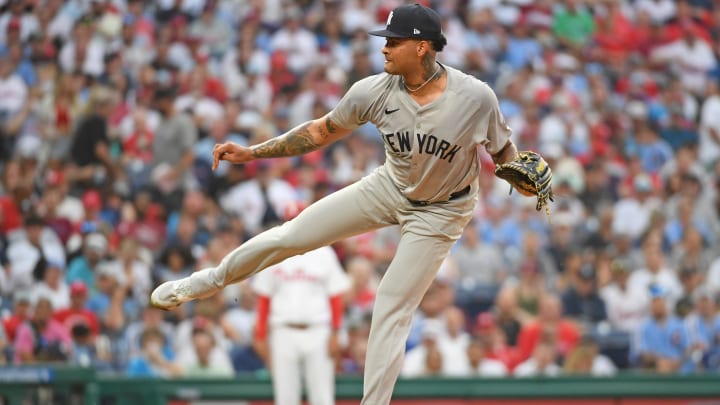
x: 530, y: 174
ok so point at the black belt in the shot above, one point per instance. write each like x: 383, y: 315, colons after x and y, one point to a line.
x: 300, y: 326
x: 453, y: 196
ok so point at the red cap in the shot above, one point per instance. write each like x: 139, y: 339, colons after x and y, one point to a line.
x: 484, y: 322
x: 92, y: 200
x: 78, y: 288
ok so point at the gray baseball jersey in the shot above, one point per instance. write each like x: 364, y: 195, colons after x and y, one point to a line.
x: 431, y: 149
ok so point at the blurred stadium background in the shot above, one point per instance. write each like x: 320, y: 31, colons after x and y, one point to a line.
x: 102, y: 198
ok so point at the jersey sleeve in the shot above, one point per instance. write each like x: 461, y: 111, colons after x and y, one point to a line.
x: 492, y: 130
x: 352, y: 110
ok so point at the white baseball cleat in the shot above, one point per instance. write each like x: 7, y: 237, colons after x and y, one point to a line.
x: 171, y: 294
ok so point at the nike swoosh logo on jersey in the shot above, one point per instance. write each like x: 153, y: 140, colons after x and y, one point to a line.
x: 387, y: 111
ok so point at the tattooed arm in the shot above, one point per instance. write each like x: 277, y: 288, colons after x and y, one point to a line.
x: 302, y: 139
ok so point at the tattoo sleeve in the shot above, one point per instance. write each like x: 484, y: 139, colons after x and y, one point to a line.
x: 297, y: 141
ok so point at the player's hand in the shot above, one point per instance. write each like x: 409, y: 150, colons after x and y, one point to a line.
x: 262, y: 349
x: 334, y: 345
x: 231, y: 152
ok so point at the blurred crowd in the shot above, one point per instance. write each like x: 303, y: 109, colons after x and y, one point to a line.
x: 109, y: 110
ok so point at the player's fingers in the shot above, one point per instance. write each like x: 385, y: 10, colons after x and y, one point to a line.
x: 218, y: 152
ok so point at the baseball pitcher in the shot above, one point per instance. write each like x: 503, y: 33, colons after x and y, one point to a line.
x: 432, y: 119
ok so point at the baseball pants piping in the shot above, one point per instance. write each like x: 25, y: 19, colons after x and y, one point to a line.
x: 427, y: 233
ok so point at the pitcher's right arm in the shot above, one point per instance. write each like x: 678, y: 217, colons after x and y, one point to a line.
x: 302, y: 139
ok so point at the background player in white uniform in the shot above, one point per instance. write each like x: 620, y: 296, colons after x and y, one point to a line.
x: 302, y: 298
x: 432, y: 119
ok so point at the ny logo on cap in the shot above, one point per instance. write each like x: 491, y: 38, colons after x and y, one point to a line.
x: 390, y: 16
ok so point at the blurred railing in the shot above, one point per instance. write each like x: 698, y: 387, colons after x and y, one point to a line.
x: 74, y: 386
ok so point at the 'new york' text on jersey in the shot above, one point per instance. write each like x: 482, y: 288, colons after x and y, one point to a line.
x: 431, y: 150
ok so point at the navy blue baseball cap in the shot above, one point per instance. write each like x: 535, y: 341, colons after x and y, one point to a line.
x: 412, y: 21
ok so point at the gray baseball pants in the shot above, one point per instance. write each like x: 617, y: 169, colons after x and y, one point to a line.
x: 427, y: 233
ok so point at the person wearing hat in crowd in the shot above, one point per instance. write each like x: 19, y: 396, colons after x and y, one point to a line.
x: 494, y: 341
x: 111, y: 302
x: 664, y: 343
x: 581, y: 301
x: 83, y: 267
x: 77, y: 311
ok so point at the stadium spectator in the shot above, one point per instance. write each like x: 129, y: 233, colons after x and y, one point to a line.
x: 90, y: 149
x: 655, y: 271
x: 41, y: 338
x: 540, y: 363
x: 480, y: 365
x: 581, y: 302
x: 51, y: 284
x: 35, y: 246
x: 664, y: 343
x: 494, y: 341
x: 110, y: 302
x: 83, y: 267
x: 363, y: 285
x: 586, y: 359
x: 87, y: 350
x: 76, y: 312
x: 428, y: 358
x: 703, y: 326
x: 550, y: 327
x: 21, y: 312
x: 625, y: 308
x: 204, y: 358
x: 471, y: 255
x: 153, y: 360
x: 174, y: 139
x: 508, y: 316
